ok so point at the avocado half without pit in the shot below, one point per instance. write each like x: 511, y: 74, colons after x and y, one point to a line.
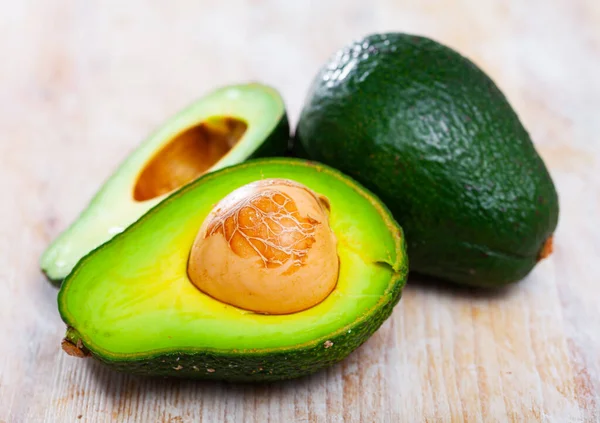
x: 267, y: 270
x: 223, y: 128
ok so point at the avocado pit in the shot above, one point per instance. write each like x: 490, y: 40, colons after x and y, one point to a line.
x: 267, y: 247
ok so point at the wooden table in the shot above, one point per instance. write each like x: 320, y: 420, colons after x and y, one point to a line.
x: 81, y: 83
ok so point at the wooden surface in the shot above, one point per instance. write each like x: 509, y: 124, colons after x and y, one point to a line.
x: 82, y: 82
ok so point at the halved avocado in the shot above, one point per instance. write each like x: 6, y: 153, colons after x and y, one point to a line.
x: 131, y: 303
x: 223, y: 128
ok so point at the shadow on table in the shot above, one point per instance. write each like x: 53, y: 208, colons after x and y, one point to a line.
x: 440, y: 287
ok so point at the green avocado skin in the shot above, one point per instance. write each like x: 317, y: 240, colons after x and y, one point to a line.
x: 262, y: 365
x: 276, y: 144
x: 432, y: 135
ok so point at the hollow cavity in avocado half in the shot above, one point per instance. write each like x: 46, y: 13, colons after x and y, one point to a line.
x: 223, y: 128
x: 267, y: 270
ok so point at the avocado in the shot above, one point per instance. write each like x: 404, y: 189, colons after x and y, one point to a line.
x: 144, y: 314
x: 430, y: 133
x: 224, y: 127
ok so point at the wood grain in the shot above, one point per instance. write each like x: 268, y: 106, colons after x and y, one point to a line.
x: 82, y: 82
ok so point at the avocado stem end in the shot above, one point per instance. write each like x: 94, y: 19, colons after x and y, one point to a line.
x: 547, y: 248
x: 73, y: 345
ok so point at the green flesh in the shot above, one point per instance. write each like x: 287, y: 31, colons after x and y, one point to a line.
x: 113, y: 208
x: 431, y: 135
x: 132, y: 305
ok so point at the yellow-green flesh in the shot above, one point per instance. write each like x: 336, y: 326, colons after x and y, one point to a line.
x: 132, y: 296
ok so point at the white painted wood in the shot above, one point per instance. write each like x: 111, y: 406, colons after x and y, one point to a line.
x: 82, y: 82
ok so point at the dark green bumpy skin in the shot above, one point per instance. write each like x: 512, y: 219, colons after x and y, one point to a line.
x: 432, y: 135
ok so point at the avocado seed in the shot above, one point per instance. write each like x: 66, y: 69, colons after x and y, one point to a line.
x: 267, y: 247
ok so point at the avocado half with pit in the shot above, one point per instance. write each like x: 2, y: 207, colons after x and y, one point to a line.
x: 431, y: 135
x: 267, y: 270
x: 223, y: 128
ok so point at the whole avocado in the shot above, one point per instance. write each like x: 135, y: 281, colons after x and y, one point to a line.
x: 432, y: 135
